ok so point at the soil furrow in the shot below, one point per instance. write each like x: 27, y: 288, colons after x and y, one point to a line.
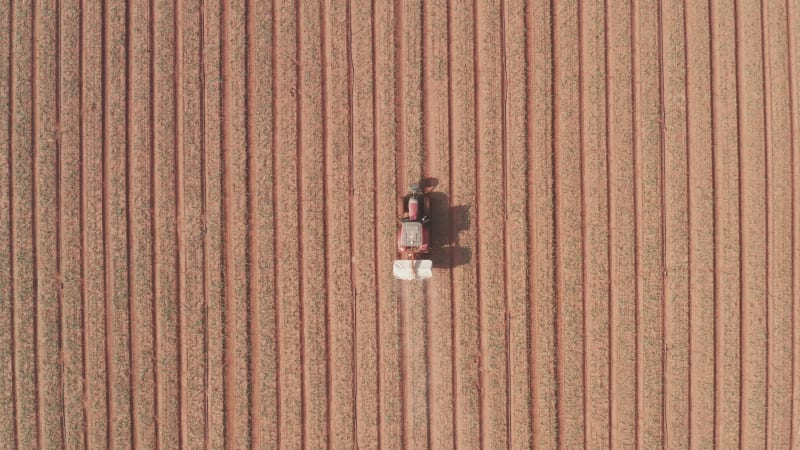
x: 300, y: 217
x: 621, y: 223
x: 7, y: 383
x: 451, y: 229
x: 141, y: 207
x: 35, y: 127
x: 313, y: 210
x: 93, y: 239
x: 191, y: 213
x: 779, y: 240
x: 389, y: 374
x: 649, y: 189
x: 755, y: 229
x: 236, y: 219
x: 214, y: 283
x: 793, y: 18
x: 677, y: 228
x: 541, y: 240
x: 338, y: 178
x: 518, y: 169
x: 436, y: 126
x: 465, y: 295
x: 22, y: 269
x: 287, y: 228
x: 567, y: 169
x: 376, y: 262
x: 596, y: 232
x: 323, y: 87
x: 727, y: 224
x: 490, y: 206
x: 261, y: 136
x: 177, y: 231
x: 165, y: 255
x: 176, y: 276
x: 400, y: 182
x: 504, y: 183
x: 476, y: 70
x: 116, y: 220
x: 363, y: 223
x: 45, y: 193
x: 701, y: 163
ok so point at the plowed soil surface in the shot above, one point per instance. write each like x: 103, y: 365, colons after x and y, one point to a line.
x: 199, y: 201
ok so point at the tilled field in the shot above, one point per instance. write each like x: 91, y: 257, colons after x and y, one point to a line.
x: 199, y: 200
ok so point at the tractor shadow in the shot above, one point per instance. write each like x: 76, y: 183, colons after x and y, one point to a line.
x: 447, y: 222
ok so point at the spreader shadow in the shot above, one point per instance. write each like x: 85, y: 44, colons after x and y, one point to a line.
x: 447, y: 222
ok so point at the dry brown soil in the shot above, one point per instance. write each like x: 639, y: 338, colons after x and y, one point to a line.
x: 198, y: 205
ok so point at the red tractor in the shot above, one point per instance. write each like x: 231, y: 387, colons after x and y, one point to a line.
x: 414, y: 237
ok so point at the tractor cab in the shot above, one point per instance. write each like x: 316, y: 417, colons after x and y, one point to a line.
x: 413, y: 237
